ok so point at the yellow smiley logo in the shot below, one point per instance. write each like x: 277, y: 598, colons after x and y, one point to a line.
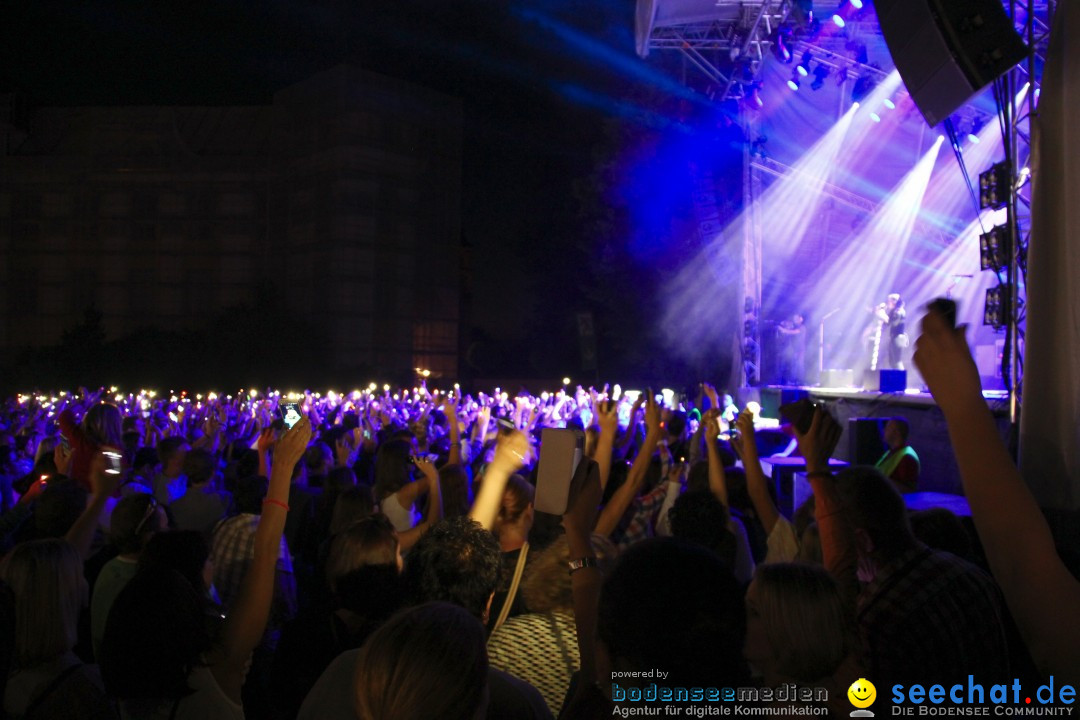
x: 862, y: 693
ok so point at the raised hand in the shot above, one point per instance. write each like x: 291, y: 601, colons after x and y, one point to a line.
x: 944, y: 359
x: 744, y: 443
x: 652, y: 414
x: 292, y: 444
x: 607, y: 416
x: 817, y: 445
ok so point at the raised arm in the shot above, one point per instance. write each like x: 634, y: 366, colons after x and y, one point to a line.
x: 434, y: 511
x: 717, y: 479
x: 607, y: 416
x: 450, y: 407
x: 757, y: 485
x: 620, y: 501
x: 1039, y: 589
x: 837, y: 536
x: 246, y: 621
x: 102, y: 486
x: 510, y: 454
x: 585, y: 494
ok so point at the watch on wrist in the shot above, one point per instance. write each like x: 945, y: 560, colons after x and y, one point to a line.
x: 584, y: 562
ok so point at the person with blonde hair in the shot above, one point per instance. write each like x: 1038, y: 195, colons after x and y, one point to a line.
x: 48, y: 679
x: 101, y: 427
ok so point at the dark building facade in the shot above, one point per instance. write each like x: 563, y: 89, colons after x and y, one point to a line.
x: 344, y: 193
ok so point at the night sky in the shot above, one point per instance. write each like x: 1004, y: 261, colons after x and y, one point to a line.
x: 534, y: 78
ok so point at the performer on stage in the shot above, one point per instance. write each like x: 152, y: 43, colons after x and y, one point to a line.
x: 890, y: 339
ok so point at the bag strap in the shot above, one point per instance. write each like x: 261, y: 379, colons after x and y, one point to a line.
x: 518, y: 571
x: 50, y: 689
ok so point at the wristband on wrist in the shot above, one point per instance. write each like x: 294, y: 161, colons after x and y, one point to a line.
x: 280, y: 504
x: 585, y: 562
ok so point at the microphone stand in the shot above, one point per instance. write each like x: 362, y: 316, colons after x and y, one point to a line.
x: 821, y: 345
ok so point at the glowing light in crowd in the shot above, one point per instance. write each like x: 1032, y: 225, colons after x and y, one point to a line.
x: 566, y: 381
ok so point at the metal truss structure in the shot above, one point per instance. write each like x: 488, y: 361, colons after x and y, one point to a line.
x: 729, y: 46
x: 1034, y: 20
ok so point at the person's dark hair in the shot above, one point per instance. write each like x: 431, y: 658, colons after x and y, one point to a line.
x: 875, y: 506
x: 317, y: 456
x: 250, y: 492
x: 58, y: 507
x: 199, y: 466
x: 372, y: 592
x: 184, y: 551
x: 515, y: 501
x: 391, y: 468
x: 672, y: 604
x: 941, y: 529
x: 154, y: 637
x: 145, y: 457
x: 169, y: 447
x: 351, y: 505
x: 102, y: 425
x: 454, y: 483
x: 425, y: 662
x: 902, y: 426
x: 697, y: 480
x: 371, y: 541
x: 701, y: 518
x: 676, y: 424
x: 456, y: 561
x: 136, y: 512
x: 337, y: 481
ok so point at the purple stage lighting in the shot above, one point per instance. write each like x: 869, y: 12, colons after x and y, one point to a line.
x: 793, y: 84
x: 839, y: 21
x: 973, y: 138
x: 875, y: 117
x: 889, y: 104
x: 857, y: 4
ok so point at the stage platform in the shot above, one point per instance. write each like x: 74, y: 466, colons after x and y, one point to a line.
x: 929, y: 435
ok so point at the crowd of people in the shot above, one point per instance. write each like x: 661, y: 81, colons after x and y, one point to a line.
x: 383, y: 556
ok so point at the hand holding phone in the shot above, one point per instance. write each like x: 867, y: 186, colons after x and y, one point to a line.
x: 947, y: 308
x: 290, y: 413
x: 799, y: 414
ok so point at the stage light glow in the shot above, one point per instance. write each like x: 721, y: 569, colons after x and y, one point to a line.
x: 867, y: 269
x: 803, y: 68
x: 793, y: 84
x: 857, y: 4
x: 889, y: 104
x: 838, y: 21
x: 875, y: 117
x: 973, y: 139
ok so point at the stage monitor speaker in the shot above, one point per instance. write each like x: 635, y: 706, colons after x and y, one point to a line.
x: 773, y: 397
x: 865, y: 446
x: 888, y: 381
x: 947, y: 50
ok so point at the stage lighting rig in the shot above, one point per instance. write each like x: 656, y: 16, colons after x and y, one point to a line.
x: 821, y: 73
x: 803, y: 68
x: 994, y: 186
x: 996, y: 306
x: 992, y: 246
x: 864, y: 85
